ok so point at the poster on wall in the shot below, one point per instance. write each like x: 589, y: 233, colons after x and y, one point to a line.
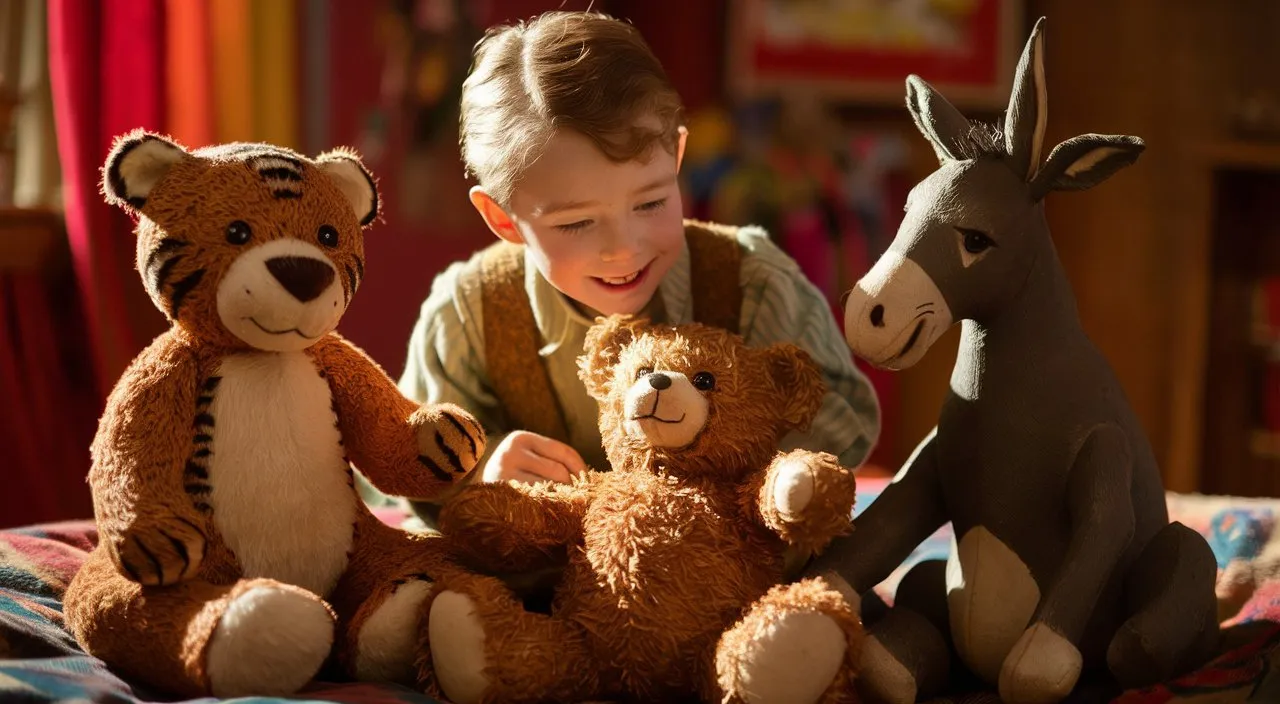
x: 861, y: 51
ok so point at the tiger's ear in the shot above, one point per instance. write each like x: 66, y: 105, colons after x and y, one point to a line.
x: 138, y: 162
x: 355, y: 181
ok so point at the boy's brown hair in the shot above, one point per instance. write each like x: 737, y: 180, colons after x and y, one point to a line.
x: 583, y: 71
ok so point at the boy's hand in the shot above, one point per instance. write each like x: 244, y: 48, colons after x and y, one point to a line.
x: 530, y: 458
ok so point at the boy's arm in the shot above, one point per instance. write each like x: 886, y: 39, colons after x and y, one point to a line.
x: 779, y: 304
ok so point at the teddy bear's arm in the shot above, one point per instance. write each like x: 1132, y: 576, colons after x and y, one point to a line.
x: 805, y: 497
x: 517, y: 527
x: 405, y: 449
x: 149, y: 500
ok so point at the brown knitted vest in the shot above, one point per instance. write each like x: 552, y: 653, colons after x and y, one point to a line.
x: 518, y: 375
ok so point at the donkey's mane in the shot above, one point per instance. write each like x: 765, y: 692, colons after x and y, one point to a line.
x: 984, y: 140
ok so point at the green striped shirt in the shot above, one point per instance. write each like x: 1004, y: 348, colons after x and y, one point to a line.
x: 779, y: 304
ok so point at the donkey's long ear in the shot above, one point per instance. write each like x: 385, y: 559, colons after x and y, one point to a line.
x: 937, y: 119
x: 1084, y: 162
x: 1028, y: 112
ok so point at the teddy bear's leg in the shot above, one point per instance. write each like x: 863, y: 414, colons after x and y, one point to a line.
x: 799, y: 644
x: 482, y: 646
x: 379, y: 602
x: 253, y: 637
x: 1170, y: 594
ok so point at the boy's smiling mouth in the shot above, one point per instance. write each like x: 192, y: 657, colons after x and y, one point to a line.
x: 623, y: 283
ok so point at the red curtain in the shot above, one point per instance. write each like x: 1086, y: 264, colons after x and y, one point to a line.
x: 59, y: 356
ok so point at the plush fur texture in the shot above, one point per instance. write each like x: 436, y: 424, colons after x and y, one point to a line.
x: 674, y: 556
x: 221, y: 475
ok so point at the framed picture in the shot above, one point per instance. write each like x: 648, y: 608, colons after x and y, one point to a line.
x: 863, y: 50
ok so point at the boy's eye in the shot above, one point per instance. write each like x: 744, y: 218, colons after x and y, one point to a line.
x: 652, y: 205
x: 574, y: 226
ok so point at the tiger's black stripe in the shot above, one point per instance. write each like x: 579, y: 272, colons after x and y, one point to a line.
x: 351, y: 279
x: 286, y: 194
x: 211, y: 383
x: 167, y: 245
x: 448, y: 452
x: 155, y: 561
x: 162, y: 274
x: 181, y: 547
x: 359, y: 266
x: 181, y: 289
x: 461, y: 431
x: 196, y: 470
x: 204, y: 420
x: 197, y: 488
x: 280, y: 172
x: 435, y: 468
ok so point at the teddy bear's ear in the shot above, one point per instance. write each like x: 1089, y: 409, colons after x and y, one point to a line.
x: 354, y: 180
x: 603, y: 348
x: 138, y: 161
x: 798, y: 382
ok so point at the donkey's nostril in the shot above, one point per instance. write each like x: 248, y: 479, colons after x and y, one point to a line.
x: 304, y: 278
x: 877, y: 316
x: 659, y: 381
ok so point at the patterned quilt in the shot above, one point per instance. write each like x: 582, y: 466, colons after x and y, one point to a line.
x: 40, y: 662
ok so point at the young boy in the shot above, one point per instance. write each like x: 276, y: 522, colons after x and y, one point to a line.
x: 572, y: 132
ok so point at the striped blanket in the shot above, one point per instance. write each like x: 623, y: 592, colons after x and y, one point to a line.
x: 40, y: 662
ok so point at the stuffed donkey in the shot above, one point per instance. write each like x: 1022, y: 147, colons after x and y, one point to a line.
x: 1065, y: 560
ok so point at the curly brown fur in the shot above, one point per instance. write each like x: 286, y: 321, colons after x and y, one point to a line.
x: 221, y: 475
x: 675, y: 545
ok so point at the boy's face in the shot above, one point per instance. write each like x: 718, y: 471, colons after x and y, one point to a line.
x: 603, y: 233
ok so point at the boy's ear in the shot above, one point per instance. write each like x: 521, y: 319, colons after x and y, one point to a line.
x: 494, y: 216
x: 680, y: 142
x: 604, y: 344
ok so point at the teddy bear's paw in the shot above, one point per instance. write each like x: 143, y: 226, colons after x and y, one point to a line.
x: 882, y: 678
x: 457, y: 647
x: 793, y: 488
x: 793, y: 661
x: 270, y: 640
x: 387, y: 645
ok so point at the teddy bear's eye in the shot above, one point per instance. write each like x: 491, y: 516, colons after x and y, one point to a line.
x: 239, y: 232
x: 642, y: 372
x: 704, y: 381
x: 328, y: 236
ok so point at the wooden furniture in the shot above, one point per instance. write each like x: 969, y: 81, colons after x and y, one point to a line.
x: 29, y: 239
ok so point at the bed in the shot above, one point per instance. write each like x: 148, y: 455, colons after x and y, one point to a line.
x: 40, y: 662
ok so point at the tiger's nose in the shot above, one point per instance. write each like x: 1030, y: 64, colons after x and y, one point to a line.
x: 303, y: 277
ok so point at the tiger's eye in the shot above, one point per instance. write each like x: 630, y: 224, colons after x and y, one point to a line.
x: 328, y: 236
x: 239, y: 232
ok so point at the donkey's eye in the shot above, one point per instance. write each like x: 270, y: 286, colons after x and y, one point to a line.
x: 975, y: 241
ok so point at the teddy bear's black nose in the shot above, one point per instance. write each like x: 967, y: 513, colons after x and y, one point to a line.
x: 659, y: 381
x: 303, y: 277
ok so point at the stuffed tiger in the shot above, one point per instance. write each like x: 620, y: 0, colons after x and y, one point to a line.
x: 234, y: 554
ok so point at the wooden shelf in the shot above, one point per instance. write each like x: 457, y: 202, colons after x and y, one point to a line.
x: 1265, y: 444
x: 1243, y: 154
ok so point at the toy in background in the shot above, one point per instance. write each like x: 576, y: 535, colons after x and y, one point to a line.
x: 234, y: 556
x: 428, y: 51
x: 1064, y: 562
x: 675, y: 557
x: 825, y: 192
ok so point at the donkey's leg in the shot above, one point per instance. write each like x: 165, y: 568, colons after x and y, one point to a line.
x: 799, y: 644
x: 908, y: 653
x: 1173, y: 625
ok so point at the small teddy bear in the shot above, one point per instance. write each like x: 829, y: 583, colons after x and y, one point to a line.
x: 234, y: 555
x: 674, y: 558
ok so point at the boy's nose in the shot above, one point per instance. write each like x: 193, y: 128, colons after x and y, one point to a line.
x: 618, y: 245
